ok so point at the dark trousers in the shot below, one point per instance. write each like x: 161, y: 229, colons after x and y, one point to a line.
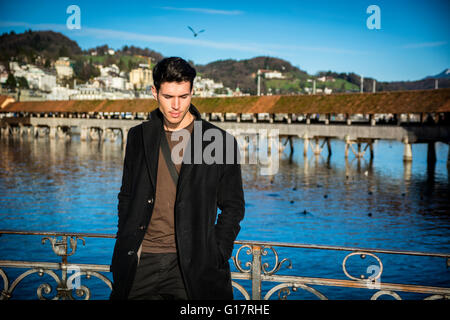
x: 158, y: 277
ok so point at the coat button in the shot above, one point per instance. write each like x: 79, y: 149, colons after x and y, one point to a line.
x: 130, y: 253
x: 150, y: 201
x: 142, y: 227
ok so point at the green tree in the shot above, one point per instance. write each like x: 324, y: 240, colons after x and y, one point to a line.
x: 122, y: 65
x: 11, y: 82
x: 85, y: 70
x: 63, y: 52
x: 22, y: 82
x: 131, y: 64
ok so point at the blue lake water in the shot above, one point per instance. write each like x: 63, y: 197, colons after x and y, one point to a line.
x: 55, y: 185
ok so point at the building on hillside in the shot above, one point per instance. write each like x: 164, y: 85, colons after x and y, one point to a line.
x: 273, y: 74
x: 63, y: 68
x: 61, y: 93
x: 326, y: 78
x: 110, y: 82
x: 141, y: 78
x: 109, y: 70
x: 36, y: 78
x: 204, y: 87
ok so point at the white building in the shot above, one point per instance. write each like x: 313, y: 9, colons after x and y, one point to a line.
x: 87, y: 92
x: 273, y: 74
x: 204, y: 87
x: 3, y: 74
x: 110, y: 82
x: 141, y: 77
x: 326, y: 78
x: 37, y: 79
x: 61, y: 93
x: 63, y: 68
x: 109, y: 70
x: 327, y: 90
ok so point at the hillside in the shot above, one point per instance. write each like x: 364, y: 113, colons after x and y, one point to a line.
x: 27, y: 47
x: 242, y: 74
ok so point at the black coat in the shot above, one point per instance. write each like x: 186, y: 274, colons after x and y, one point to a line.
x: 204, y: 239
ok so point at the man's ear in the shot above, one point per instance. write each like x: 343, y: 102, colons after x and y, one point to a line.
x: 154, y: 92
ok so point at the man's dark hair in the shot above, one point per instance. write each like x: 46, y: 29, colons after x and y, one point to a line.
x: 173, y: 69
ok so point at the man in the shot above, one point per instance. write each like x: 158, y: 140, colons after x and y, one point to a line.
x: 171, y: 244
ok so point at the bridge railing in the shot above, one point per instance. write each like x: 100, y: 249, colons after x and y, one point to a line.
x: 250, y: 261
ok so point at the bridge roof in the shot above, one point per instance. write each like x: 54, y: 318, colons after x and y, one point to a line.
x: 413, y: 101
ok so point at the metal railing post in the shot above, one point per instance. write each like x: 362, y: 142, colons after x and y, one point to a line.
x: 256, y: 272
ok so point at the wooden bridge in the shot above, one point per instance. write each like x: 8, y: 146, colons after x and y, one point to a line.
x: 358, y: 118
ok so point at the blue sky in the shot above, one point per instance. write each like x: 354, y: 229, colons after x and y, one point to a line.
x: 412, y: 43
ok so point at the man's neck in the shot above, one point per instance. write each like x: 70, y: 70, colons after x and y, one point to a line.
x: 188, y: 118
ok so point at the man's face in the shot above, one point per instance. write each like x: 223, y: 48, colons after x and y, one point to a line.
x: 174, y: 99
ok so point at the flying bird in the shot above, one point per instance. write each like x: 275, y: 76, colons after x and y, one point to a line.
x: 195, y: 33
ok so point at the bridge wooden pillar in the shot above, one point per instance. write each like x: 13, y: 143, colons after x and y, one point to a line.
x: 431, y: 153
x: 317, y: 148
x: 359, y: 153
x: 52, y: 133
x: 448, y: 157
x: 291, y: 145
x: 35, y: 131
x: 102, y: 134
x: 371, y: 151
x: 347, y: 146
x: 328, y: 146
x: 407, y: 150
x: 305, y: 144
x: 60, y: 133
x: 5, y: 130
x: 83, y: 133
x: 124, y: 135
x: 20, y: 125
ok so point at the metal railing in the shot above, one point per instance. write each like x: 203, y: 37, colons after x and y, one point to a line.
x: 255, y: 270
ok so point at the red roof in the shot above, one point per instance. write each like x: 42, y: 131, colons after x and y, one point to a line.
x: 413, y: 101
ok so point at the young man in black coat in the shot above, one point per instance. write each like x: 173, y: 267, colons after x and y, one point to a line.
x: 178, y: 170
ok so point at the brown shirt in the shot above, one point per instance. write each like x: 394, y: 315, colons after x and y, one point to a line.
x: 160, y: 234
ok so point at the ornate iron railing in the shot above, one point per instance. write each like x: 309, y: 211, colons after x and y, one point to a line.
x: 255, y: 270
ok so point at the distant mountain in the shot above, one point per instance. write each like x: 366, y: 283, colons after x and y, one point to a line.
x: 424, y: 84
x: 443, y: 75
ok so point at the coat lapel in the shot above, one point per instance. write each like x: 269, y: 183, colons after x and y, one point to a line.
x: 151, y: 131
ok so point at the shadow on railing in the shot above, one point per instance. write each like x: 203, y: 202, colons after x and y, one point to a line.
x: 64, y: 244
